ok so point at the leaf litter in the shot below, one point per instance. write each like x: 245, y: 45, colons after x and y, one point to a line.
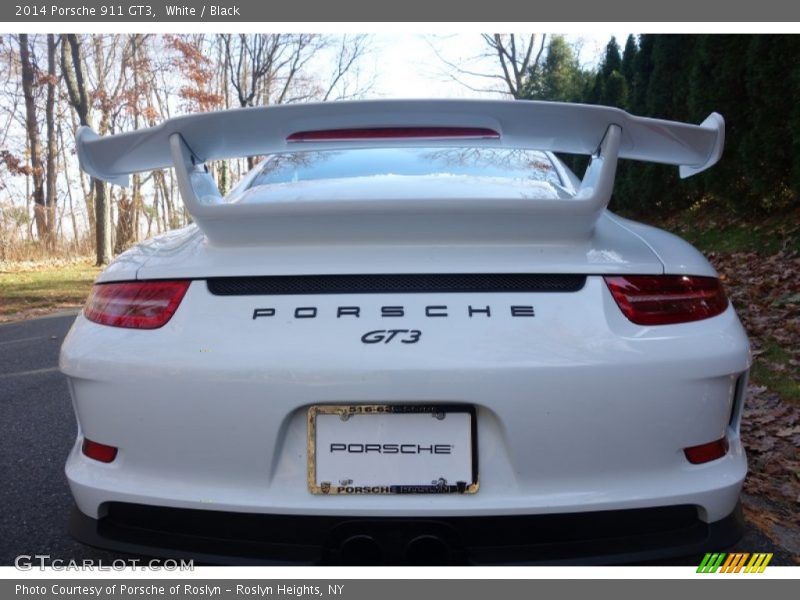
x: 765, y: 290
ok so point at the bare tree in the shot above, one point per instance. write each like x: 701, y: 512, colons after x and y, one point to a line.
x: 119, y: 82
x: 75, y: 78
x: 516, y: 58
x: 272, y: 68
x: 223, y: 166
x: 351, y: 50
x: 34, y: 143
x: 263, y: 67
x: 253, y: 61
x: 515, y: 61
x: 51, y: 171
x: 133, y: 95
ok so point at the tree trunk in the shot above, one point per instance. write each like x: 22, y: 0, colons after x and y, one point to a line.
x: 52, y: 148
x: 222, y: 87
x: 124, y: 229
x: 75, y: 232
x: 102, y: 216
x: 32, y: 128
x: 166, y: 202
x: 72, y: 68
x: 103, y: 198
x: 86, y: 183
x: 128, y: 207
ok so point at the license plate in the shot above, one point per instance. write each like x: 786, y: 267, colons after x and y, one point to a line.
x: 392, y: 449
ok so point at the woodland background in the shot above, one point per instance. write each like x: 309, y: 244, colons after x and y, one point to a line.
x: 53, y: 83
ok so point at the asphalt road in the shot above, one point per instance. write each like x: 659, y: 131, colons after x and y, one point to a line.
x: 38, y: 429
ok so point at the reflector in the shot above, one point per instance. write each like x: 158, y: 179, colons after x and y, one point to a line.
x: 99, y: 451
x: 706, y: 452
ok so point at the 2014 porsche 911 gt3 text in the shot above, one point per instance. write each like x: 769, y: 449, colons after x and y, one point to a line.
x: 409, y: 335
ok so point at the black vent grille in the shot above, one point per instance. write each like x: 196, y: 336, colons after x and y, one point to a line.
x: 299, y: 285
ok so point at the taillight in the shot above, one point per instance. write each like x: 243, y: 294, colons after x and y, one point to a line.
x: 136, y: 304
x: 98, y: 451
x: 704, y: 453
x: 393, y: 133
x: 667, y: 299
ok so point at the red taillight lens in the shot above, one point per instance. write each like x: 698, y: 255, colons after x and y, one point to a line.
x: 137, y: 304
x: 393, y: 133
x: 98, y: 451
x: 704, y: 453
x: 666, y: 299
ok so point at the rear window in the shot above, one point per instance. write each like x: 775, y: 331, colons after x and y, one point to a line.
x: 523, y: 165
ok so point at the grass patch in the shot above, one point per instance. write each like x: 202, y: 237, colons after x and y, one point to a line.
x: 722, y: 233
x: 773, y: 369
x: 25, y: 287
x: 741, y: 238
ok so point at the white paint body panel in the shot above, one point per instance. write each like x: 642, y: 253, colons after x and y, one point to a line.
x: 578, y: 409
x: 617, y: 245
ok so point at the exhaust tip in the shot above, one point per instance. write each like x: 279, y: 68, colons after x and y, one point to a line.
x: 428, y: 550
x: 360, y: 550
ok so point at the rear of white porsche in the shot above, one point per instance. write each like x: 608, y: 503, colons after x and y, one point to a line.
x: 465, y: 397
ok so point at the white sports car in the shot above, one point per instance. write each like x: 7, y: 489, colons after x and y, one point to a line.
x: 409, y: 335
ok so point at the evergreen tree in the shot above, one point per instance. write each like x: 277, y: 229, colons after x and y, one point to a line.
x: 610, y: 88
x: 717, y: 83
x: 642, y: 70
x: 561, y: 74
x: 752, y: 80
x: 629, y: 55
x: 612, y: 59
x: 615, y: 90
x: 792, y: 147
x: 766, y: 142
x: 664, y: 89
x: 560, y: 78
x: 668, y: 84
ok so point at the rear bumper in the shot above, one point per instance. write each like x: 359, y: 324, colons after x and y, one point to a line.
x: 216, y: 537
x: 578, y: 410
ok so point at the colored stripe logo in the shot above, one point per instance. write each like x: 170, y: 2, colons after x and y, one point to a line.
x: 736, y: 562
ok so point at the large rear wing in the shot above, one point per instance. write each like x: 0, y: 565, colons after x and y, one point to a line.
x: 188, y: 142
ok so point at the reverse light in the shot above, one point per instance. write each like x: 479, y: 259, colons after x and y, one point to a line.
x: 394, y: 133
x: 704, y: 453
x: 99, y: 451
x: 135, y: 304
x: 667, y: 299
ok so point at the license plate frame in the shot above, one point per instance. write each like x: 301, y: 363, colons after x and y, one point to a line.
x: 345, y: 412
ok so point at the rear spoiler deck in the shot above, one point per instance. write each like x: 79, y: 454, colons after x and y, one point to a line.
x: 188, y: 142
